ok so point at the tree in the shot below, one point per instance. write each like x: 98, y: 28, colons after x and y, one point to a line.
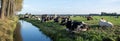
x: 9, y: 7
x: 18, y: 5
x: 3, y: 3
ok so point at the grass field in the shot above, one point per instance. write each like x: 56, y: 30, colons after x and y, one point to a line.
x: 58, y: 32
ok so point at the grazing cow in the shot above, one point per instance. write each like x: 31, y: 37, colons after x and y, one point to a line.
x: 56, y: 19
x: 51, y: 17
x: 43, y: 18
x: 47, y: 18
x: 89, y: 18
x: 104, y: 23
x: 76, y: 26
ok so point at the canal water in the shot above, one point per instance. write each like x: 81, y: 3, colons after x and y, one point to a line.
x: 31, y: 33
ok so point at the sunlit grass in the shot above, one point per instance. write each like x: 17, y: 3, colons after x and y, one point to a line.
x: 58, y: 32
x: 7, y: 27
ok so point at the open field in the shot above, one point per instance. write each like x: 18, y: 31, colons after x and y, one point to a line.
x: 58, y: 32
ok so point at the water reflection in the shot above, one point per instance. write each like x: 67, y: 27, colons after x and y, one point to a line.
x: 32, y: 33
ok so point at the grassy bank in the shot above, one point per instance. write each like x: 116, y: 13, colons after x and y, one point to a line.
x: 7, y: 27
x: 17, y: 34
x: 58, y: 32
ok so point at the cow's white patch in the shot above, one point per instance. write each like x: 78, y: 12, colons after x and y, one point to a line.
x: 104, y: 23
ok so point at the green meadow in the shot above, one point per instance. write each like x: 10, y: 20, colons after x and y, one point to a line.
x: 57, y: 32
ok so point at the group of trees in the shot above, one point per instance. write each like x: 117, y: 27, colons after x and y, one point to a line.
x: 108, y: 14
x: 9, y: 8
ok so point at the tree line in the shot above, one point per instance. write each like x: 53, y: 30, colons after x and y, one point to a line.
x: 9, y: 8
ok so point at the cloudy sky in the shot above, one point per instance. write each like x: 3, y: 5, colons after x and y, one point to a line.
x: 70, y: 6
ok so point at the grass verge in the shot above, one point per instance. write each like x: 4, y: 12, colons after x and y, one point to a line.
x: 7, y: 27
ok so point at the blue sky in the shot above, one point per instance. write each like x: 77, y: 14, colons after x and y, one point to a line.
x: 70, y: 6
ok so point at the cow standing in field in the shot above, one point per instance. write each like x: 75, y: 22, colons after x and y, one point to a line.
x: 44, y: 18
x: 104, y: 23
x: 56, y: 19
x: 89, y: 18
x: 51, y: 17
x: 63, y: 21
x: 47, y: 18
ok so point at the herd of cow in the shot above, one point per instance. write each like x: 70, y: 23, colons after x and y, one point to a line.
x: 75, y: 25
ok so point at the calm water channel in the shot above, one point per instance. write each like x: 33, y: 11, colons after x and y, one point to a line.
x: 30, y: 32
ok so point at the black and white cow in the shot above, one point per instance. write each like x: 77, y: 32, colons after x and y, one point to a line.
x: 76, y: 26
x: 56, y: 19
x: 64, y: 20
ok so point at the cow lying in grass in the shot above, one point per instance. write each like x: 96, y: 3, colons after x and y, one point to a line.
x: 104, y: 23
x: 76, y: 26
x: 82, y: 27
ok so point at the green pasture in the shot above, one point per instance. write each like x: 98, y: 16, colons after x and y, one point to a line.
x: 57, y: 32
x: 95, y: 21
